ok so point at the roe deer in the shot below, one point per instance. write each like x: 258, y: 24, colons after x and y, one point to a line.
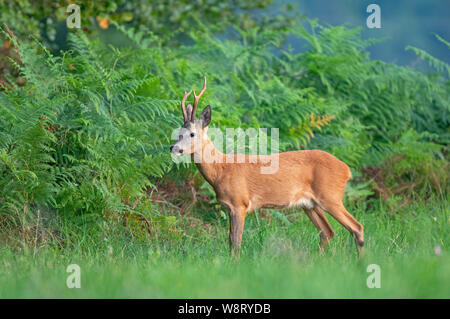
x: 312, y: 179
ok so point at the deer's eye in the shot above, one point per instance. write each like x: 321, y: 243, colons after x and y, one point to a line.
x: 180, y: 137
x: 192, y: 134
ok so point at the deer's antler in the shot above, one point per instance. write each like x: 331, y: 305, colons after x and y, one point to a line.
x: 197, y: 98
x: 183, y: 106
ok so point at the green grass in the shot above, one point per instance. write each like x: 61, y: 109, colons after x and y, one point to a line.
x: 279, y: 260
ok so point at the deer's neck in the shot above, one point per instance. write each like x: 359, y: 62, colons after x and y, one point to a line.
x: 209, y: 161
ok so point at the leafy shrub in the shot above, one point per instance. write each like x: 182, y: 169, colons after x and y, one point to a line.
x: 43, y: 20
x: 83, y: 135
x: 412, y: 170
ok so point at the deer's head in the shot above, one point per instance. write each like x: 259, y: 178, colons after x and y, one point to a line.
x: 193, y: 132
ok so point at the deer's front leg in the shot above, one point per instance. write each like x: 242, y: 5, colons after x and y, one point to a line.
x: 237, y: 220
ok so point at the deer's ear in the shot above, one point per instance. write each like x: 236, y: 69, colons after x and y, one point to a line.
x: 189, y: 111
x: 205, y: 116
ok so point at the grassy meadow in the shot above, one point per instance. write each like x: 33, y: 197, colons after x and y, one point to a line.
x: 279, y: 260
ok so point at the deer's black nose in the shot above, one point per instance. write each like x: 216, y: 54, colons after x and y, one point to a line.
x: 176, y: 149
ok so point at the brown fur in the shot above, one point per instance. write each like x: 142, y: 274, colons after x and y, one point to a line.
x: 312, y: 179
x: 312, y: 174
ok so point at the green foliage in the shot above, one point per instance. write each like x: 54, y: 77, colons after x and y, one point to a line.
x: 435, y: 63
x: 413, y: 169
x: 43, y: 19
x: 87, y: 135
x: 84, y: 134
x: 261, y: 83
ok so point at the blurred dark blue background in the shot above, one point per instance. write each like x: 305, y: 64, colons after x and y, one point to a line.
x: 403, y: 23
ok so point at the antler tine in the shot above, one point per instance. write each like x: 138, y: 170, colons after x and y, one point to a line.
x: 183, y: 102
x: 197, y: 98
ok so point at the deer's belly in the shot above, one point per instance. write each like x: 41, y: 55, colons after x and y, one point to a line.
x: 303, y: 200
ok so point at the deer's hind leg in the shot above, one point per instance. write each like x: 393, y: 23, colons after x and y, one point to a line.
x: 338, y: 211
x: 321, y: 223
